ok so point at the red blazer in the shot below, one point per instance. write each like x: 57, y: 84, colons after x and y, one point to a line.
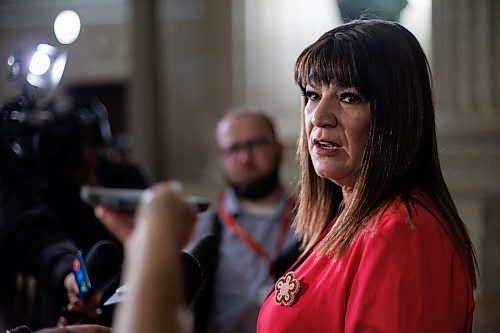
x: 393, y: 279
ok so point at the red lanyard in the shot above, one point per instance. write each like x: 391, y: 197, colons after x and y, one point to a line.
x: 246, y: 238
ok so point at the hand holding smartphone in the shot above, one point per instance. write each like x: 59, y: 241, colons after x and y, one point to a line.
x: 81, y: 276
x: 88, y: 303
x: 126, y: 199
x: 123, y: 203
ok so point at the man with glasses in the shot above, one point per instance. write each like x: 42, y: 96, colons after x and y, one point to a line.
x: 251, y: 222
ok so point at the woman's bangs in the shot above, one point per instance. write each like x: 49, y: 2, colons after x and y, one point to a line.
x: 326, y: 62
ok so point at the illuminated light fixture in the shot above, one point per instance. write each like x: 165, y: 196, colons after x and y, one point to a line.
x: 67, y: 26
x: 40, y: 63
x: 41, y: 67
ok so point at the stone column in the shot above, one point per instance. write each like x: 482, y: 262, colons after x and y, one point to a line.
x: 146, y: 112
x: 466, y: 65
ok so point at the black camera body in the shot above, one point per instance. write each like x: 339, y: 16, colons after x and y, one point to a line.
x: 50, y: 137
x: 47, y: 135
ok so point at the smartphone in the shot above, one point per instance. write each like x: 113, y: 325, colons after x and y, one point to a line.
x: 126, y: 199
x: 81, y: 276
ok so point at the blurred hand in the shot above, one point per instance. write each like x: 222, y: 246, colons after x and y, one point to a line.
x: 71, y: 286
x: 77, y: 329
x: 89, y: 309
x: 164, y: 205
x: 119, y: 223
x: 153, y: 271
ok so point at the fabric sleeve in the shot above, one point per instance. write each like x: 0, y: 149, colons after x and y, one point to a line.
x: 33, y: 236
x: 409, y: 280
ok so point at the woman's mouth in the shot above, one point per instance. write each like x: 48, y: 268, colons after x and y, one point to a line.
x: 328, y: 145
x: 324, y: 147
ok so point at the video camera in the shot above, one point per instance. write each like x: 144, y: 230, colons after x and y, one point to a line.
x: 47, y: 134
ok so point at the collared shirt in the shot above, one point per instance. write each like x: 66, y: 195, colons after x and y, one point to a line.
x: 242, y: 279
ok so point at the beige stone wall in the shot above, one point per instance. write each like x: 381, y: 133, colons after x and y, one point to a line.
x: 466, y: 63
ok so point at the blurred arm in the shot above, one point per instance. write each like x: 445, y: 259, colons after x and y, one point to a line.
x: 154, y: 300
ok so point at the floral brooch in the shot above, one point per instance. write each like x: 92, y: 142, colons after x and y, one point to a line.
x: 285, y: 289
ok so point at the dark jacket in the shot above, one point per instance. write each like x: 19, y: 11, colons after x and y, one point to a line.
x: 31, y: 240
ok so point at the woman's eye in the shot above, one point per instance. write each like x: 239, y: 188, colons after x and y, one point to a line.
x: 350, y: 98
x: 310, y: 95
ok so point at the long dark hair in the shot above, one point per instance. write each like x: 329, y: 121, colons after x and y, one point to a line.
x: 387, y: 65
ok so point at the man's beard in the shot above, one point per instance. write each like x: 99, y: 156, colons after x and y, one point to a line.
x: 259, y: 188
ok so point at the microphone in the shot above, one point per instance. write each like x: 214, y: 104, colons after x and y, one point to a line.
x: 104, y: 265
x: 196, y: 265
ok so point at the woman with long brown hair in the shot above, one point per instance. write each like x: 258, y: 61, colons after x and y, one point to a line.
x: 385, y: 249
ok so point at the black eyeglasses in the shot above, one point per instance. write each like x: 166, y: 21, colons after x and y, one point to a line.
x: 251, y: 146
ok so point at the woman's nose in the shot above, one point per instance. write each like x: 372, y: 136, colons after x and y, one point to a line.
x: 324, y: 114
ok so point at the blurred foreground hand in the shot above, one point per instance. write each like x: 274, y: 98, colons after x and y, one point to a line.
x: 153, y: 239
